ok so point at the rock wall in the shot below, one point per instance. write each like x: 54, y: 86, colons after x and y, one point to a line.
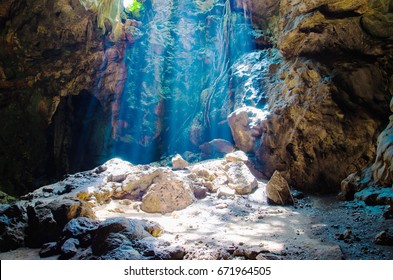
x: 51, y: 51
x: 329, y: 97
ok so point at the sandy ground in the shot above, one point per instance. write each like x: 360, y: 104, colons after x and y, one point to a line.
x: 316, y: 228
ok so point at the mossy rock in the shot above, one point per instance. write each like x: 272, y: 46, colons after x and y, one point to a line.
x: 6, y: 199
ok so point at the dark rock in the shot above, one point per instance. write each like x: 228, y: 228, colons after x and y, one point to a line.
x: 49, y: 249
x: 200, y: 193
x: 384, y: 238
x: 12, y: 227
x: 12, y: 211
x: 85, y: 254
x: 42, y: 227
x: 389, y: 213
x: 12, y: 236
x: 65, y: 210
x: 79, y: 227
x: 69, y: 249
x: 176, y: 252
x: 114, y: 232
x: 297, y: 194
x: 277, y: 190
x: 101, y: 246
x: 122, y: 253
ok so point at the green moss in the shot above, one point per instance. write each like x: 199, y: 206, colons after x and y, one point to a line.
x: 6, y: 199
x: 135, y: 8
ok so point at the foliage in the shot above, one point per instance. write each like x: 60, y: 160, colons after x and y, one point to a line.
x: 134, y: 7
x: 107, y: 10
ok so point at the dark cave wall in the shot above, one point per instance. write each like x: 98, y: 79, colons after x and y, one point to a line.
x: 51, y: 51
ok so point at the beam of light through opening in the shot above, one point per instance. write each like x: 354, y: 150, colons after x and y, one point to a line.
x: 178, y: 91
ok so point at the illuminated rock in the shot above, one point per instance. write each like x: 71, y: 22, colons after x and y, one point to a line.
x: 240, y: 178
x: 179, y: 163
x: 236, y: 156
x: 277, y: 190
x: 247, y: 126
x: 167, y: 194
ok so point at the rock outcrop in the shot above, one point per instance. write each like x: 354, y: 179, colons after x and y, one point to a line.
x: 327, y: 98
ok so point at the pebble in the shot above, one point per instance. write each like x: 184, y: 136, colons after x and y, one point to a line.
x: 222, y: 206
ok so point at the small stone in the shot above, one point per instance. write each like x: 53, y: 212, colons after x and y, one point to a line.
x: 224, y: 191
x: 154, y: 228
x: 347, y: 234
x: 222, y: 206
x: 200, y: 193
x: 179, y: 163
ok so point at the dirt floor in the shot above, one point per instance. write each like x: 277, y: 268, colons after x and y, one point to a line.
x: 316, y: 228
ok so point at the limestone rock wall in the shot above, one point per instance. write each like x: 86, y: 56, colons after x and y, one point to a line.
x: 329, y: 97
x: 50, y: 51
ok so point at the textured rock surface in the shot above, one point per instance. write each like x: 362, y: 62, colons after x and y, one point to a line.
x: 167, y: 194
x: 327, y: 107
x: 240, y: 178
x: 179, y: 163
x: 383, y: 166
x: 247, y: 125
x: 277, y: 190
x: 50, y: 52
x: 12, y: 226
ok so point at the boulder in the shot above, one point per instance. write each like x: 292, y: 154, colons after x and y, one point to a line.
x: 69, y: 249
x: 167, y: 194
x: 49, y: 249
x: 384, y: 238
x: 65, y: 210
x: 277, y: 190
x: 138, y: 181
x: 115, y: 232
x: 81, y: 228
x: 12, y: 226
x: 179, y: 163
x: 122, y: 253
x: 240, y: 178
x: 246, y: 124
x: 216, y: 146
x: 236, y: 156
x: 42, y: 226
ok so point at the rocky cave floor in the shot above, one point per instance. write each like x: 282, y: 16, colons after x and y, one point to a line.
x: 221, y: 226
x: 316, y: 228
